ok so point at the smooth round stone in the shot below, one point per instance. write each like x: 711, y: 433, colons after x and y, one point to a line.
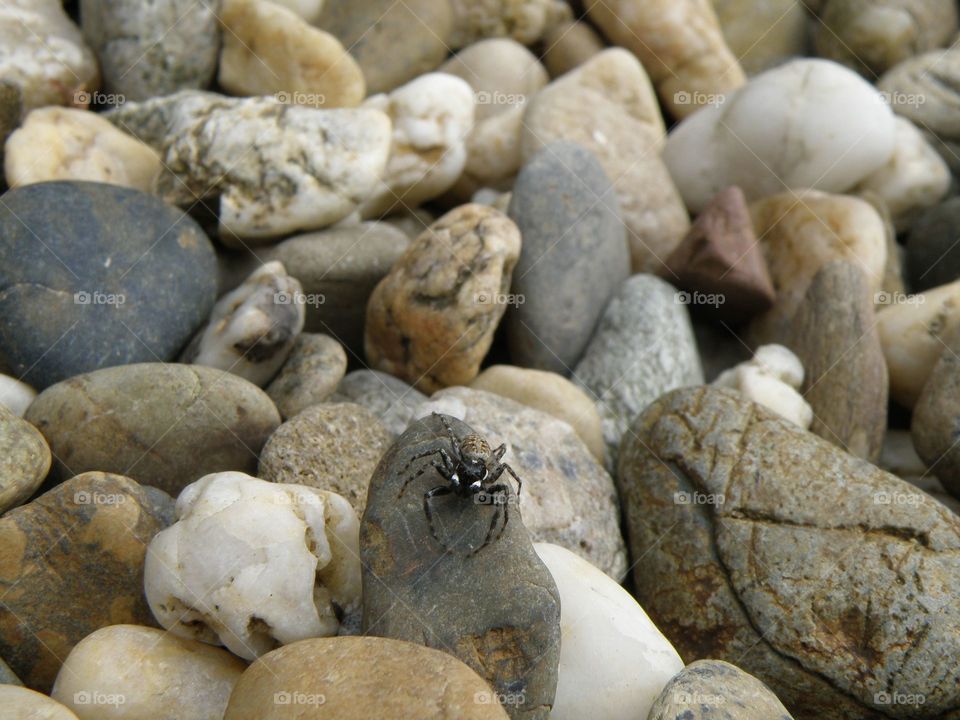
x: 93, y: 275
x: 771, y: 379
x: 933, y: 247
x: 15, y: 396
x: 569, y: 45
x: 333, y: 446
x: 392, y: 400
x: 549, y: 392
x: 72, y: 563
x: 599, y: 619
x: 937, y: 415
x: 313, y: 370
x: 164, y: 424
x: 574, y: 256
x: 24, y: 460
x: 150, y: 49
x: 392, y: 42
x: 355, y: 678
x: 153, y: 674
x: 22, y: 704
x: 765, y: 33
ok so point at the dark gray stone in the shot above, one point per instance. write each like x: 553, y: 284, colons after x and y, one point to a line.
x: 574, y: 256
x: 496, y: 608
x: 95, y: 275
x: 933, y: 247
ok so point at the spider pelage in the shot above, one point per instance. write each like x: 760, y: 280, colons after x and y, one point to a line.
x: 472, y: 471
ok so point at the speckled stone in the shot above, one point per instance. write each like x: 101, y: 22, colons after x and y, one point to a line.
x: 24, y: 459
x: 72, y: 562
x: 313, y: 370
x: 392, y: 400
x: 94, y: 275
x: 937, y: 415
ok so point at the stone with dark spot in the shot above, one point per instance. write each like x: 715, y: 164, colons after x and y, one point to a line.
x: 94, y: 275
x: 761, y: 544
x: 71, y: 562
x: 494, y: 606
x: 162, y: 424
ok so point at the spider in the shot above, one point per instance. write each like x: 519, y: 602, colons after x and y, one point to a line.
x: 472, y: 471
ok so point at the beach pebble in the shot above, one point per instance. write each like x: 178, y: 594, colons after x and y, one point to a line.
x: 933, y: 247
x: 43, y: 52
x: 431, y: 320
x: 56, y: 143
x: 599, y: 619
x: 164, y: 424
x: 608, y: 106
x: 773, y: 551
x: 418, y: 570
x: 772, y: 379
x: 431, y: 118
x: 22, y: 704
x: 73, y: 563
x: 94, y: 275
x: 254, y: 565
x: 522, y: 20
x: 568, y: 45
x: 148, y: 49
x: 922, y: 89
x: 763, y: 33
x: 298, y: 63
x: 806, y: 124
x: 24, y: 460
x: 392, y: 400
x: 643, y: 346
x: 354, y: 678
x: 681, y: 45
x: 333, y: 447
x: 310, y: 374
x: 550, y: 393
x: 936, y: 416
x: 15, y: 396
x: 152, y: 674
x: 309, y: 10
x: 567, y: 497
x: 253, y: 328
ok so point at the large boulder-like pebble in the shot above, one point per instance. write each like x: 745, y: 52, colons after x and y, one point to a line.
x: 353, y: 678
x: 933, y: 247
x: 431, y: 320
x: 333, y: 446
x: 599, y: 619
x: 422, y: 557
x: 72, y: 562
x: 643, y: 347
x: 93, y: 275
x: 574, y: 256
x: 163, y: 424
x: 152, y: 674
x: 567, y: 498
x: 393, y: 401
x: 806, y: 124
x: 254, y: 565
x: 24, y: 459
x: 22, y: 704
x: 761, y: 544
x: 311, y: 373
x: 148, y: 49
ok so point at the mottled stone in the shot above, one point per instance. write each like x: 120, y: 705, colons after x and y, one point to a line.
x: 933, y: 247
x: 164, y: 424
x: 522, y: 20
x: 574, y: 256
x: 72, y: 562
x: 21, y: 704
x: 416, y: 573
x: 937, y: 415
x: 392, y: 400
x: 828, y: 579
x: 834, y: 333
x: 311, y: 373
x: 643, y: 346
x: 333, y: 446
x: 431, y: 320
x: 157, y: 675
x: 354, y: 678
x: 24, y: 460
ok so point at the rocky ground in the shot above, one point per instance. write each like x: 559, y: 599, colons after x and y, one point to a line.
x: 476, y: 359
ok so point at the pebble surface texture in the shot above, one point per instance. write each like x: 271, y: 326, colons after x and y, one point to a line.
x: 24, y: 459
x: 431, y: 320
x: 936, y: 416
x: 392, y: 400
x: 824, y: 576
x: 359, y: 678
x: 93, y: 275
x: 165, y: 425
x: 415, y: 587
x: 72, y: 562
x: 22, y: 704
x: 311, y: 373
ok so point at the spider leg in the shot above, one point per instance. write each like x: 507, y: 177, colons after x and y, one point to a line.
x: 406, y: 467
x: 498, y: 453
x: 427, y: 496
x: 444, y: 456
x: 494, y: 489
x: 514, y: 476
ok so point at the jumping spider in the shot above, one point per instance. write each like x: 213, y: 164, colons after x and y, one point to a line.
x: 471, y: 470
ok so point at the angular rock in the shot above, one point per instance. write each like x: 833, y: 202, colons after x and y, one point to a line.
x: 24, y: 460
x: 311, y: 373
x: 933, y: 247
x: 431, y: 320
x: 392, y: 400
x: 828, y: 579
x: 333, y: 446
x: 72, y: 563
x: 164, y: 424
